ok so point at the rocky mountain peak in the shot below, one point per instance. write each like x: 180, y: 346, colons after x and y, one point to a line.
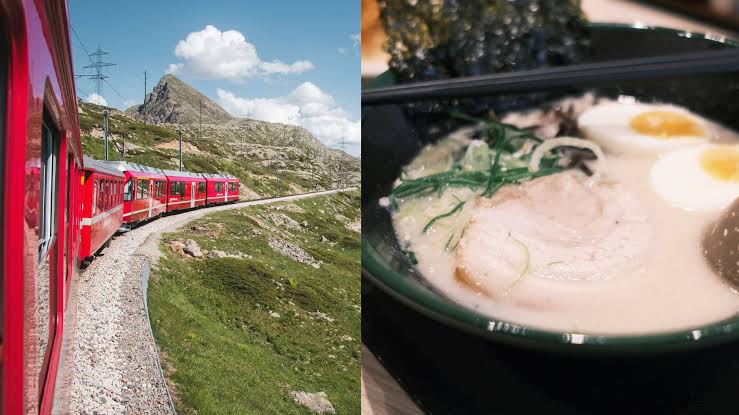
x: 174, y: 101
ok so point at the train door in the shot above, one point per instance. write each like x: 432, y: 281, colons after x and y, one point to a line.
x: 192, y: 194
x: 151, y: 196
x: 225, y: 191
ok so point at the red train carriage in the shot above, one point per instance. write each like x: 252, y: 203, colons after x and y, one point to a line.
x: 41, y: 162
x: 102, y: 206
x: 217, y: 185
x: 144, y: 192
x: 185, y: 190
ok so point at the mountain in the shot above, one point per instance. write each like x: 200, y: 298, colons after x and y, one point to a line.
x: 173, y: 101
x: 269, y: 158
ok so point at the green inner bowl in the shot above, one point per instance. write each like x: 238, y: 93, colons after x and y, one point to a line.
x: 391, y: 138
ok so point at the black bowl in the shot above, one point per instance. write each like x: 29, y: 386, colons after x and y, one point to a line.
x: 391, y: 138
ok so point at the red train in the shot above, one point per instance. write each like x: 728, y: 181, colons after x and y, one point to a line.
x: 59, y: 208
x: 102, y: 206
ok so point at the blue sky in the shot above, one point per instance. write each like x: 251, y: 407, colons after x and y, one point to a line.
x: 295, y: 62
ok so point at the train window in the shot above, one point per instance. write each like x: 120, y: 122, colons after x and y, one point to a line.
x: 99, y: 200
x: 109, y: 196
x: 219, y: 186
x: 48, y: 188
x: 93, y: 208
x: 128, y: 190
x: 232, y: 187
x: 201, y: 187
x: 177, y: 189
x: 142, y: 189
x: 44, y: 289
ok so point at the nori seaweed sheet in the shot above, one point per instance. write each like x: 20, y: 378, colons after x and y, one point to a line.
x: 438, y: 39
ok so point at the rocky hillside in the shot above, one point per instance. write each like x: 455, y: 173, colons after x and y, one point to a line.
x: 173, y: 101
x: 269, y: 158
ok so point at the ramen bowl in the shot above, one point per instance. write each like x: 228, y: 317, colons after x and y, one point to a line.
x: 392, y: 136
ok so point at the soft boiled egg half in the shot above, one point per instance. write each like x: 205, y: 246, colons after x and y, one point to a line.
x: 643, y: 129
x: 702, y: 178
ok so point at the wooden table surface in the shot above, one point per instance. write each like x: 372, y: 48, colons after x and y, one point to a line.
x: 381, y: 395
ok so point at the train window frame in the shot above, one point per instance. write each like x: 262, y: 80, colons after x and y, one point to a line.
x: 99, y: 197
x: 218, y: 186
x: 142, y: 189
x: 177, y: 189
x: 48, y: 195
x: 201, y: 187
x: 232, y: 186
x: 128, y: 191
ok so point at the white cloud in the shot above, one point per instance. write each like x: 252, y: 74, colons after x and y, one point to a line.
x: 307, y: 106
x: 356, y: 39
x: 341, y: 50
x: 212, y: 54
x: 94, y: 98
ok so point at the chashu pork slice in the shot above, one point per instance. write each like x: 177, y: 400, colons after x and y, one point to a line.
x: 530, y: 241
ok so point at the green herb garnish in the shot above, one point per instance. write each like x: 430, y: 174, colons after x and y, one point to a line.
x: 459, y: 206
x: 505, y: 139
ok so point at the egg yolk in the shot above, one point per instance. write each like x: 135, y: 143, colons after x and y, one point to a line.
x: 665, y: 124
x: 721, y: 163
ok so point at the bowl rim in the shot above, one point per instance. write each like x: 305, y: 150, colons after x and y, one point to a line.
x: 410, y: 293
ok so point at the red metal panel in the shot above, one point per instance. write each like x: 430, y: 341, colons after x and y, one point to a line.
x: 213, y: 196
x: 37, y: 79
x: 138, y: 210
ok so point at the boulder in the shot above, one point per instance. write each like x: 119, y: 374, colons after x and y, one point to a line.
x: 193, y: 249
x: 317, y: 402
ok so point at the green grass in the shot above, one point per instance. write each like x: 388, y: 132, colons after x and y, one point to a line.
x: 219, y: 344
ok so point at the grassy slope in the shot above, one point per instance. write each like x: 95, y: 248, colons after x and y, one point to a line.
x: 146, y: 137
x: 220, y: 346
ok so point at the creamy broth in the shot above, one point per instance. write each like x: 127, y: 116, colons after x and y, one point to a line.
x: 669, y: 286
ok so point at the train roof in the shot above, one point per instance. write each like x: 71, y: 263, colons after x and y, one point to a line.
x: 218, y: 176
x: 101, y: 166
x: 177, y: 173
x: 124, y: 166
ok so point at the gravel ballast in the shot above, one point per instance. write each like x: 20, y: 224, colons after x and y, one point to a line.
x: 113, y: 362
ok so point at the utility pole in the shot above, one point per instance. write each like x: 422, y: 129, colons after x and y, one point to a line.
x: 311, y: 156
x: 180, y: 134
x: 123, y: 148
x: 105, y: 132
x: 144, y: 96
x: 97, y: 65
x: 339, y: 166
